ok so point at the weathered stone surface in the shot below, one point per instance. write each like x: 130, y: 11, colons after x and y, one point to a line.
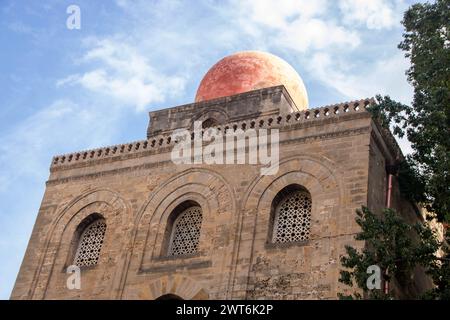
x: 339, y: 158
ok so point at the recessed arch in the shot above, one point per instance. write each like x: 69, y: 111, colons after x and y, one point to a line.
x: 208, y: 188
x: 209, y: 122
x: 169, y: 296
x: 103, y: 202
x: 290, y: 216
x: 218, y: 115
x: 167, y: 286
x: 183, y: 229
x: 318, y: 166
x: 192, y: 184
x: 323, y: 180
x: 87, y: 241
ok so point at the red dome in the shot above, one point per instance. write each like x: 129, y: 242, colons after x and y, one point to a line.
x: 251, y: 70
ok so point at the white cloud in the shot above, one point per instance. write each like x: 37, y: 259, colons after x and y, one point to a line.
x: 67, y: 80
x: 62, y: 126
x: 375, y: 14
x: 20, y: 27
x: 281, y: 13
x: 124, y: 74
x: 385, y: 76
x: 307, y: 35
x: 333, y: 41
x: 25, y: 156
x: 295, y: 24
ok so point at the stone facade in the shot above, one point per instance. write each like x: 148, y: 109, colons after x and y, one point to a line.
x: 337, y: 153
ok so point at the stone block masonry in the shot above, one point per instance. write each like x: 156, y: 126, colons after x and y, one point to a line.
x: 336, y: 154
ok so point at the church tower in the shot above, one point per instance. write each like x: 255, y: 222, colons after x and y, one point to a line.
x: 139, y: 225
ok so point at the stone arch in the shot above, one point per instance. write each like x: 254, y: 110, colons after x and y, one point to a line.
x: 191, y: 192
x: 191, y: 176
x: 209, y: 122
x: 177, y: 245
x: 321, y: 167
x: 316, y: 174
x: 180, y: 286
x: 290, y: 215
x: 207, y: 188
x: 105, y: 202
x: 78, y: 239
x: 204, y: 186
x: 219, y: 115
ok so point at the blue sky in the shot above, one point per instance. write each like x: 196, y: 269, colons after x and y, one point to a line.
x: 66, y: 90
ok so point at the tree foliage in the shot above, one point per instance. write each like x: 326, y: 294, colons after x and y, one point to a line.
x: 440, y: 273
x: 426, y: 122
x: 391, y: 244
x: 424, y: 177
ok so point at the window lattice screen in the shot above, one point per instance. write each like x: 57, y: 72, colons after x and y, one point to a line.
x: 90, y: 244
x: 186, y: 232
x: 293, y: 218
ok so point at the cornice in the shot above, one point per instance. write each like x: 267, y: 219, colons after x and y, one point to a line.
x: 153, y: 165
x: 156, y: 145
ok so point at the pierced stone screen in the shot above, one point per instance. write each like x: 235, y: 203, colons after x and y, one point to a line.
x: 186, y: 232
x: 90, y: 244
x: 293, y: 218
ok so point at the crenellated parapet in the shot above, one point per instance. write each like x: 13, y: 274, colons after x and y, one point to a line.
x: 165, y: 140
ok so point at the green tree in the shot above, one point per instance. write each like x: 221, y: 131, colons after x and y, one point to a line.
x: 426, y: 122
x: 394, y: 246
x: 424, y: 177
x: 440, y: 273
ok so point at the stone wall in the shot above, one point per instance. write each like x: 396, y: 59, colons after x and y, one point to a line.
x: 136, y: 186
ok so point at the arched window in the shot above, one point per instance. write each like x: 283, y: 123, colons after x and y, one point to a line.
x: 208, y: 123
x: 291, y: 211
x: 90, y: 244
x: 185, y: 233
